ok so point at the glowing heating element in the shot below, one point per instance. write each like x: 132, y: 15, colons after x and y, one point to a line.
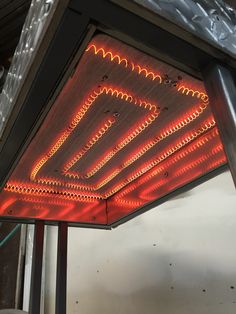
x: 125, y: 130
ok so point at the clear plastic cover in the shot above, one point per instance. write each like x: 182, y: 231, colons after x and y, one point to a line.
x: 33, y: 30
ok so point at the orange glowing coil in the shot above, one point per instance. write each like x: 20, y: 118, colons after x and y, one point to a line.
x: 25, y: 189
x: 89, y: 145
x: 124, y: 61
x: 124, y: 142
x: 197, y: 162
x: 207, y: 126
x: 148, y: 73
x: 194, y: 93
x: 185, y: 178
x: 96, y: 169
x: 150, y: 145
x: 163, y: 135
x: 48, y: 201
x: 81, y: 113
x: 114, y: 92
x: 108, y: 54
x: 216, y: 150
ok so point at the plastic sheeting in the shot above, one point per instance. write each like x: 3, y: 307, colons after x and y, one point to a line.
x: 32, y: 33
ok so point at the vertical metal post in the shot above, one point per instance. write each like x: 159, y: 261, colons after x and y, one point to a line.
x: 61, y: 283
x: 36, y: 274
x: 221, y: 89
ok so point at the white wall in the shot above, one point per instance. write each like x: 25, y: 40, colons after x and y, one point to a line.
x: 160, y: 262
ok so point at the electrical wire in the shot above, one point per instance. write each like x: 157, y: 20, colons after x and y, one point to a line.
x: 10, y: 235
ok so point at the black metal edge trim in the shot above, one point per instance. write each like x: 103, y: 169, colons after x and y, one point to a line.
x: 134, y: 214
x: 172, y: 49
x: 53, y: 222
x: 68, y: 37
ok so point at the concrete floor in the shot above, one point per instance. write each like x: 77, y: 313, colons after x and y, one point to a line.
x: 178, y: 258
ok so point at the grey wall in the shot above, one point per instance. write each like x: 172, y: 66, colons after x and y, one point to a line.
x: 179, y: 258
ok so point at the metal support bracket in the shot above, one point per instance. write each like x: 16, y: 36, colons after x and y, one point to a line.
x: 61, y: 268
x: 37, y: 263
x: 220, y: 86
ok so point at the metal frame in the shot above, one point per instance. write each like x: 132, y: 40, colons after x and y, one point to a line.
x: 37, y: 265
x: 37, y: 268
x: 61, y: 268
x: 79, y: 22
x: 134, y: 214
x: 221, y: 89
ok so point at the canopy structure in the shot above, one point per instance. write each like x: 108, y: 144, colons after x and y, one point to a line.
x: 125, y: 130
x: 109, y: 109
x: 109, y: 120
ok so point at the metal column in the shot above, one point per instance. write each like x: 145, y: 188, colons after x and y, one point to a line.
x: 61, y: 282
x: 221, y: 89
x: 36, y: 274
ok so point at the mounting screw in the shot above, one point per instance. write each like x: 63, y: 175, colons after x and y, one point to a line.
x: 104, y: 78
x: 174, y: 84
x: 165, y: 109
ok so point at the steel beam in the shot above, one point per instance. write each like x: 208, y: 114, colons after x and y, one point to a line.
x: 36, y: 274
x: 61, y: 268
x: 220, y: 86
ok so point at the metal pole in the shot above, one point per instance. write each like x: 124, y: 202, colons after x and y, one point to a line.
x: 36, y: 274
x: 221, y: 89
x: 61, y: 268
